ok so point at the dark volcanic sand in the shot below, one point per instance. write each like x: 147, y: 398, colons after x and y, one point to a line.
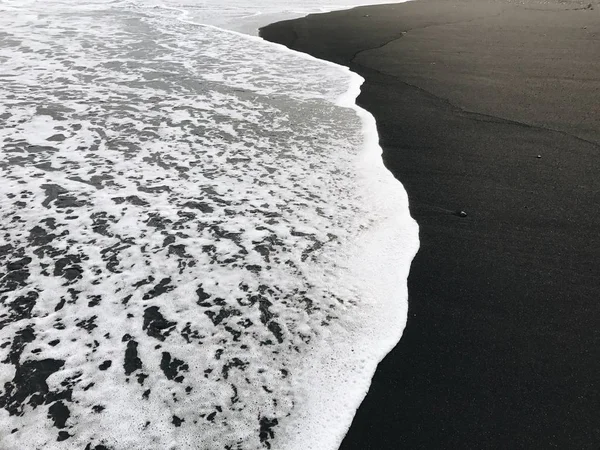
x: 502, y: 346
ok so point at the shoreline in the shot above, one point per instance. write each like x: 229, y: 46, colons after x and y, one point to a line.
x: 500, y: 349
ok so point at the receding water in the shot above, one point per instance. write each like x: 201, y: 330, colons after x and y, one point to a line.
x: 200, y: 246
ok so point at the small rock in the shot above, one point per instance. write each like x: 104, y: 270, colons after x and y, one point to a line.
x: 461, y: 214
x: 539, y: 156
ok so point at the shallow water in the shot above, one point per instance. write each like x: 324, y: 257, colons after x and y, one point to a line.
x: 247, y: 16
x: 200, y: 246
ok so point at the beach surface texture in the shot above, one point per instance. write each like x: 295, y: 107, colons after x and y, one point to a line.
x: 489, y: 113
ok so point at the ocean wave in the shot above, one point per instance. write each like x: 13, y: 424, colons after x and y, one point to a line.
x: 200, y: 245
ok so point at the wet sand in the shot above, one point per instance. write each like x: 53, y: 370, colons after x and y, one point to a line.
x: 491, y: 108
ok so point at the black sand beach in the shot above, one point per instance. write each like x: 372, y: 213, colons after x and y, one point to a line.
x: 492, y: 108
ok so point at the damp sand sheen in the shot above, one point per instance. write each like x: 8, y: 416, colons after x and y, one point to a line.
x: 200, y: 246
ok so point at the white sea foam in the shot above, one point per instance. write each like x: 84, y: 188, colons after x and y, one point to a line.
x: 200, y: 245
